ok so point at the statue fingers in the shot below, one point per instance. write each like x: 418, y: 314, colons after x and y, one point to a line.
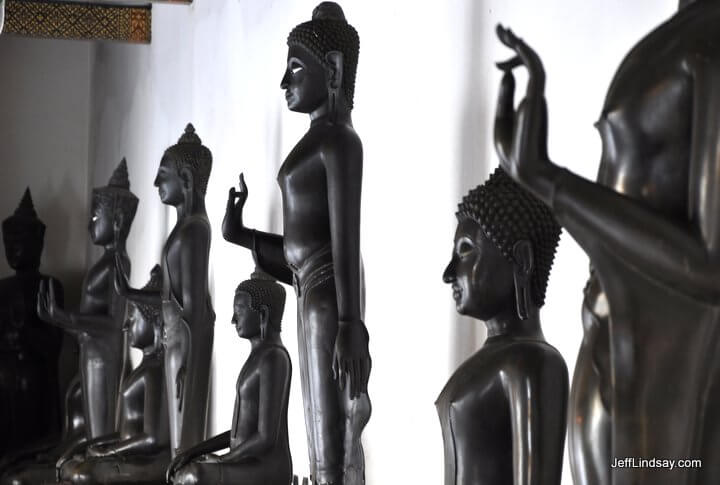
x: 530, y: 58
x: 243, y: 186
x: 505, y: 116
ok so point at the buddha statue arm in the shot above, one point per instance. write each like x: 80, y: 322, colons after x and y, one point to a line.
x: 194, y: 254
x: 146, y: 442
x: 122, y: 285
x: 343, y: 168
x: 211, y: 445
x: 267, y: 248
x: 274, y: 381
x: 78, y: 446
x: 597, y: 216
x: 50, y: 311
x: 538, y: 427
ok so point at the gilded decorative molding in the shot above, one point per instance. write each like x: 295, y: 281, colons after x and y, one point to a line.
x: 86, y: 21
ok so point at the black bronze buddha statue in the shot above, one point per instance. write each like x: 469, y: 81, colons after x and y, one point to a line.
x: 97, y: 325
x: 139, y: 451
x: 649, y: 226
x: 503, y: 411
x: 259, y: 450
x: 29, y: 347
x: 319, y: 250
x: 188, y: 316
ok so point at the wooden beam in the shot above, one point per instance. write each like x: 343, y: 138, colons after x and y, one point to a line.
x: 86, y: 21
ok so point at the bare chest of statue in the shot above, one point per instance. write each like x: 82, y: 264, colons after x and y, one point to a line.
x: 475, y: 418
x: 98, y: 292
x: 303, y: 183
x: 247, y: 400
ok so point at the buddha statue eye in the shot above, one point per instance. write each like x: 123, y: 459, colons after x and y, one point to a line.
x: 464, y: 247
x: 296, y: 69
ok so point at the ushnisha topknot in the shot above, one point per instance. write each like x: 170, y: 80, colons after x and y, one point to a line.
x: 25, y: 218
x: 264, y: 290
x: 508, y: 213
x: 190, y: 153
x: 151, y: 312
x: 117, y: 197
x: 329, y: 31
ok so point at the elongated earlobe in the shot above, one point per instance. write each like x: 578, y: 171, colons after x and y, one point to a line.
x: 334, y: 85
x: 522, y: 272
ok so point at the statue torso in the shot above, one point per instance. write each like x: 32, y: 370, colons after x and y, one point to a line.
x: 171, y: 257
x: 144, y: 388
x: 306, y: 217
x: 475, y: 414
x: 247, y: 401
x: 662, y: 341
x: 646, y: 122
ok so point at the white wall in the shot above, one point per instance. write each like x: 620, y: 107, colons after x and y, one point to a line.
x: 44, y: 132
x: 424, y: 104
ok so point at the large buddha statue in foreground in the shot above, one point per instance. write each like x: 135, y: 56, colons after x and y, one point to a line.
x: 503, y: 410
x: 319, y: 250
x: 650, y: 227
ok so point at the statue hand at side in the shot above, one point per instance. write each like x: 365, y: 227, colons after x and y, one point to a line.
x: 351, y: 360
x: 122, y: 286
x: 98, y: 451
x: 232, y: 223
x: 180, y: 460
x: 521, y: 136
x: 47, y: 307
x: 179, y: 386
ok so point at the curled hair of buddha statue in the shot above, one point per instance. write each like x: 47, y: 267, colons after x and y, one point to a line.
x: 117, y: 198
x: 507, y: 213
x: 25, y: 218
x: 265, y: 291
x: 329, y: 31
x: 191, y: 154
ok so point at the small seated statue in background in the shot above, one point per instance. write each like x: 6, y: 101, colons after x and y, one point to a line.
x: 258, y: 441
x: 139, y: 452
x: 503, y: 411
x: 29, y: 347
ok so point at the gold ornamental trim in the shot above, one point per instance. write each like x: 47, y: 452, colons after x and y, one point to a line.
x: 84, y: 21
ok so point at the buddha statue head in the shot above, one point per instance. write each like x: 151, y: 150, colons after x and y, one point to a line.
x: 322, y: 62
x: 184, y: 170
x: 504, y: 248
x: 144, y: 322
x: 112, y: 205
x: 24, y: 235
x: 258, y: 307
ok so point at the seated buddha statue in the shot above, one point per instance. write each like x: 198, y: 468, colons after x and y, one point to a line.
x: 259, y: 450
x: 139, y: 451
x: 503, y: 410
x: 29, y: 347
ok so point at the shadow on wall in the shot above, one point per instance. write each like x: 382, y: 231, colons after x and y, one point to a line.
x: 473, y: 169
